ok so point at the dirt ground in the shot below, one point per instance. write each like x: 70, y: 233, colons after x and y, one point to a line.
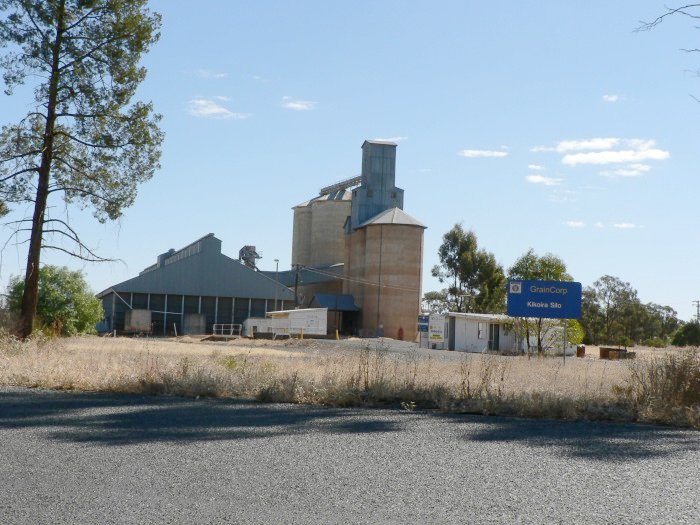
x: 287, y: 347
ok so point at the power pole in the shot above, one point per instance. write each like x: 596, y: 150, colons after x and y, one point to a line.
x: 697, y: 305
x: 297, y: 267
x: 277, y: 280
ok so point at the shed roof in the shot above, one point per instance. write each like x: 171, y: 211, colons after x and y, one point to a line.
x: 203, y: 271
x: 393, y: 216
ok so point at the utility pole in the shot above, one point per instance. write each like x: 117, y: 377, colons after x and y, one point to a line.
x: 697, y: 305
x: 297, y: 267
x: 277, y: 280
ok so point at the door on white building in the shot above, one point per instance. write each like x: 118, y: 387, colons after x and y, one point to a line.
x: 494, y: 336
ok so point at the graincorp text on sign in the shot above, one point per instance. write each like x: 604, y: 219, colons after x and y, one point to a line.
x: 548, y: 289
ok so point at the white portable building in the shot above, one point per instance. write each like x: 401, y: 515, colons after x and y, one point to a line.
x: 472, y: 332
x: 309, y: 321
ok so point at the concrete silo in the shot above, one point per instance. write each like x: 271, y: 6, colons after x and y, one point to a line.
x: 384, y: 249
x: 318, y: 238
x: 383, y: 273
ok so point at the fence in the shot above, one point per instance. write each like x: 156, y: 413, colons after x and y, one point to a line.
x: 227, y: 329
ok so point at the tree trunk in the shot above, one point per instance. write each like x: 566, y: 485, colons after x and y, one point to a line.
x: 30, y: 298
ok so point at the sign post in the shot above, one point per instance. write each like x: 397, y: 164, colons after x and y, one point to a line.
x: 423, y: 321
x: 436, y: 329
x: 545, y: 299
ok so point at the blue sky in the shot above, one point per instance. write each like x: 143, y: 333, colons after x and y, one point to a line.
x: 549, y: 125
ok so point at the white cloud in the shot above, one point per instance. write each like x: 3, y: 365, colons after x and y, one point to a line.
x: 392, y: 139
x: 208, y: 108
x: 632, y: 170
x: 625, y: 226
x: 562, y: 196
x: 641, y: 144
x: 541, y: 179
x: 615, y: 157
x: 298, y: 105
x: 535, y: 167
x: 600, y: 151
x: 599, y: 225
x: 474, y: 153
x: 611, y: 98
x: 580, y: 145
x: 206, y: 73
x: 575, y: 224
x: 587, y: 144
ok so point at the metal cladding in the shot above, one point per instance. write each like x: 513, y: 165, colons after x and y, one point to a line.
x: 200, y: 269
x: 378, y: 191
x: 191, y: 289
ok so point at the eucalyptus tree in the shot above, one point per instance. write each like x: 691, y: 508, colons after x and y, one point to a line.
x: 83, y: 140
x: 613, y: 314
x: 475, y: 281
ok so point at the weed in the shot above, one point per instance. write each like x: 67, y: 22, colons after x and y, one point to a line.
x: 662, y: 389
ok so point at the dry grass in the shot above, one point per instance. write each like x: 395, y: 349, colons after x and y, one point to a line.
x: 357, y: 374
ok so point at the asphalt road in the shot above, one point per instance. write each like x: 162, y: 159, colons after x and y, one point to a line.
x: 90, y: 458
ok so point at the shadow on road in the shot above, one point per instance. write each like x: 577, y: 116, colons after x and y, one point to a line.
x: 123, y: 419
x: 602, y: 441
x: 116, y: 419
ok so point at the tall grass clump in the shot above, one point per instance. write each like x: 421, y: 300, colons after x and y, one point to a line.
x: 666, y: 389
x: 367, y: 377
x: 663, y: 388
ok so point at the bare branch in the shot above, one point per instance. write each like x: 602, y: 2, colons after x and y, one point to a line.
x: 36, y: 26
x: 17, y: 173
x: 19, y: 221
x: 77, y: 255
x: 90, y: 145
x: 15, y: 157
x: 80, y: 20
x: 73, y: 236
x: 88, y: 54
x: 647, y: 26
x: 81, y: 191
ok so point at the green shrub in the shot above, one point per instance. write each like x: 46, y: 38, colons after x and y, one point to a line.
x: 687, y: 335
x: 655, y: 342
x: 66, y: 306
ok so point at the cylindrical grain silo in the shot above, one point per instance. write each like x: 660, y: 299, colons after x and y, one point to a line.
x: 301, y: 234
x: 318, y: 236
x: 388, y: 279
x: 328, y: 216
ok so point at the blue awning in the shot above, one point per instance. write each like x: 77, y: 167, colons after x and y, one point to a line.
x: 337, y: 302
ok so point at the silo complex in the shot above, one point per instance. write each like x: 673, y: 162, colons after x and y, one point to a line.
x: 380, y: 246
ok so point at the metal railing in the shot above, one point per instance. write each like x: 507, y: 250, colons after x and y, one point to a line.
x: 227, y: 329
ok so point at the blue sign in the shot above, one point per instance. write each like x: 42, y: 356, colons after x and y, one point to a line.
x: 550, y: 299
x: 423, y: 323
